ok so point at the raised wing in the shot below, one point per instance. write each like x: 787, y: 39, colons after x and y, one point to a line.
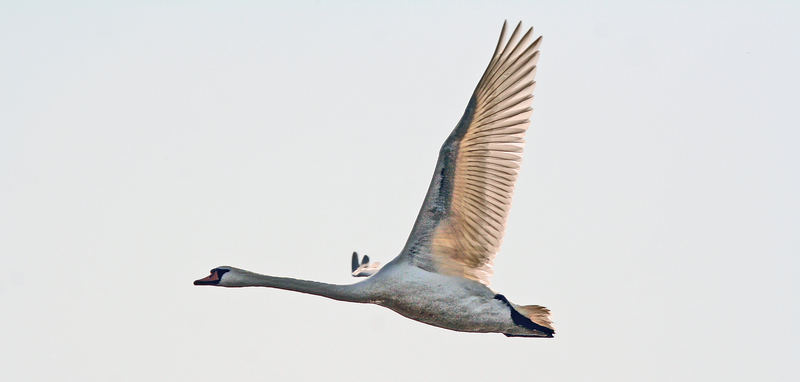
x: 461, y: 224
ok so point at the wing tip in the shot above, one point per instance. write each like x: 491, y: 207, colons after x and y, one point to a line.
x: 354, y: 262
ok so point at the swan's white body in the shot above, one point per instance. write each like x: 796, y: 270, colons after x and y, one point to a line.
x: 448, y: 302
x: 445, y: 301
x: 441, y: 277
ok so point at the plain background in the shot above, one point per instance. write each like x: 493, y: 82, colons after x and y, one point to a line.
x: 656, y: 213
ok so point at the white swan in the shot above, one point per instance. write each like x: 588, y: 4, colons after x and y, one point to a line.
x: 441, y: 277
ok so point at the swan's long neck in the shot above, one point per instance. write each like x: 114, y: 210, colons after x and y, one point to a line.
x: 353, y: 293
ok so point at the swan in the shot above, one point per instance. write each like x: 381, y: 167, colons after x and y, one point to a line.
x: 441, y: 277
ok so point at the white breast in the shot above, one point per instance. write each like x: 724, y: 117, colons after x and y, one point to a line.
x: 444, y: 301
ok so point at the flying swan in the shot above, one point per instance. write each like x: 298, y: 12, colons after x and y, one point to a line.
x: 441, y: 277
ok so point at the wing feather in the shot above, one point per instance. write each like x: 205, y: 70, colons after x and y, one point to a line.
x: 461, y: 224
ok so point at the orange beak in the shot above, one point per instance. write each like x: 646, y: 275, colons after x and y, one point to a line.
x: 211, y: 279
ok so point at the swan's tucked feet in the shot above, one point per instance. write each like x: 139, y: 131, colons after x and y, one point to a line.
x: 363, y: 268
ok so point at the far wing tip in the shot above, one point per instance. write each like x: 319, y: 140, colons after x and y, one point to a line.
x: 354, y: 262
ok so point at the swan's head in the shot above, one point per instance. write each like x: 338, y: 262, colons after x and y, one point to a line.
x: 219, y: 276
x: 228, y: 277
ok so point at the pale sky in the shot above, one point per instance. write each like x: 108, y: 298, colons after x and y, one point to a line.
x: 141, y: 145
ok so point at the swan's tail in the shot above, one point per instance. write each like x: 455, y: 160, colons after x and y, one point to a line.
x: 535, y: 318
x: 538, y: 314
